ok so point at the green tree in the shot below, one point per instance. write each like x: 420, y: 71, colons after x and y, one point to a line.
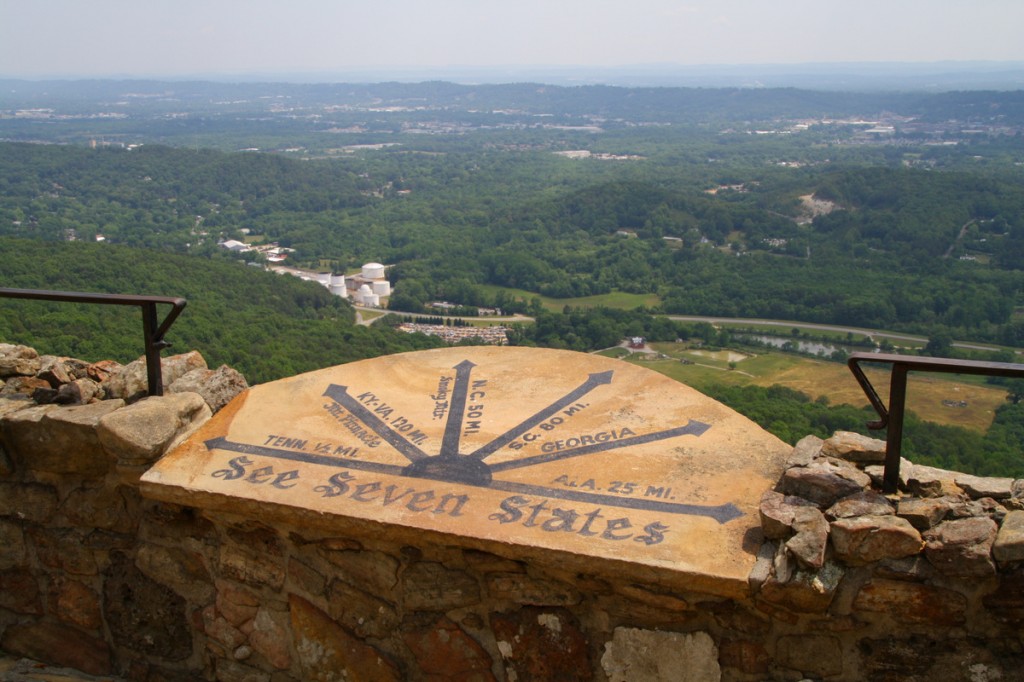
x: 940, y: 345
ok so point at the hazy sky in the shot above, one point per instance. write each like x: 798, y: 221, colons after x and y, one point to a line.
x: 40, y: 38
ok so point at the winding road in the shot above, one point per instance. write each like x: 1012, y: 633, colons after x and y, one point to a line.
x: 786, y: 324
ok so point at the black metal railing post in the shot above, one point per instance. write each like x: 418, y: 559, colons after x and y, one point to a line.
x: 152, y: 332
x: 891, y: 417
x: 894, y: 429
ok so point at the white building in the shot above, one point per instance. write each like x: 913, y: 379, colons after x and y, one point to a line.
x: 370, y: 286
x: 235, y: 245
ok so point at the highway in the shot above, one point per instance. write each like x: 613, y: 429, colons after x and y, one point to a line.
x: 873, y: 333
x: 782, y: 324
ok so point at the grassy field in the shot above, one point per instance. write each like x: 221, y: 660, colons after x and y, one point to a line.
x: 944, y: 399
x: 368, y: 316
x: 815, y: 378
x: 617, y: 299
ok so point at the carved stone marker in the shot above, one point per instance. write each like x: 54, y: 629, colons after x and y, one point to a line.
x: 589, y: 462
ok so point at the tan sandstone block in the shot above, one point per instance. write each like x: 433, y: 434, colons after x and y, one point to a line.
x: 587, y: 461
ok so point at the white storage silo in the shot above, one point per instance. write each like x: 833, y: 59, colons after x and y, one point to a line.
x: 363, y: 295
x: 373, y: 271
x: 338, y: 285
x: 382, y: 287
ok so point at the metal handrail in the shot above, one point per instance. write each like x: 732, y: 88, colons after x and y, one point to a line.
x: 153, y: 333
x: 891, y: 418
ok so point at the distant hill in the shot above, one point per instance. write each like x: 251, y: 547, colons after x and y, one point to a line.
x: 264, y: 325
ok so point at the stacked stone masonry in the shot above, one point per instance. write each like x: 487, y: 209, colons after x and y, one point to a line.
x: 927, y: 584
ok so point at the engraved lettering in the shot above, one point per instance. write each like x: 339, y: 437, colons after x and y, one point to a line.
x: 614, y: 525
x: 280, y: 480
x: 260, y: 475
x: 578, y: 441
x: 354, y: 426
x: 459, y: 500
x: 237, y: 469
x: 655, y: 533
x: 441, y: 398
x: 537, y: 508
x: 562, y: 519
x: 591, y: 517
x: 339, y: 485
x: 510, y: 507
x: 390, y: 497
x: 538, y: 514
x: 419, y: 500
x: 364, y: 489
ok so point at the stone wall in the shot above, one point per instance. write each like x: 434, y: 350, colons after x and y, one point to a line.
x: 850, y: 584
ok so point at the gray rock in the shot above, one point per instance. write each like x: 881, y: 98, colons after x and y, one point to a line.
x: 805, y: 451
x: 864, y: 539
x: 980, y: 486
x: 44, y: 395
x: 54, y: 370
x: 16, y: 360
x: 913, y: 568
x: 804, y: 591
x: 763, y: 566
x: 854, y: 447
x: 11, y: 404
x: 966, y: 509
x: 1009, y: 542
x: 777, y: 511
x: 823, y: 483
x: 179, y: 569
x: 992, y: 509
x: 142, y: 432
x: 102, y: 371
x: 690, y: 657
x: 925, y: 512
x: 24, y: 386
x: 864, y: 503
x: 877, y: 473
x: 926, y: 481
x: 430, y: 586
x: 59, y: 439
x: 218, y: 387
x: 782, y: 565
x: 131, y: 380
x: 77, y: 392
x: 962, y: 547
x: 811, y: 539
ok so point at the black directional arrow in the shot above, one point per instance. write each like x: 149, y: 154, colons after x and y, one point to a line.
x: 593, y: 381
x: 723, y: 513
x: 456, y: 413
x: 693, y: 427
x: 339, y: 394
x: 263, y: 451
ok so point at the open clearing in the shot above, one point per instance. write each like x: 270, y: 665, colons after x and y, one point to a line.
x: 721, y: 355
x: 933, y: 397
x: 618, y: 300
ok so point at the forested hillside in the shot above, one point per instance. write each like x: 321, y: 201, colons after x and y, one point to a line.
x: 897, y: 211
x: 900, y: 248
x: 264, y: 325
